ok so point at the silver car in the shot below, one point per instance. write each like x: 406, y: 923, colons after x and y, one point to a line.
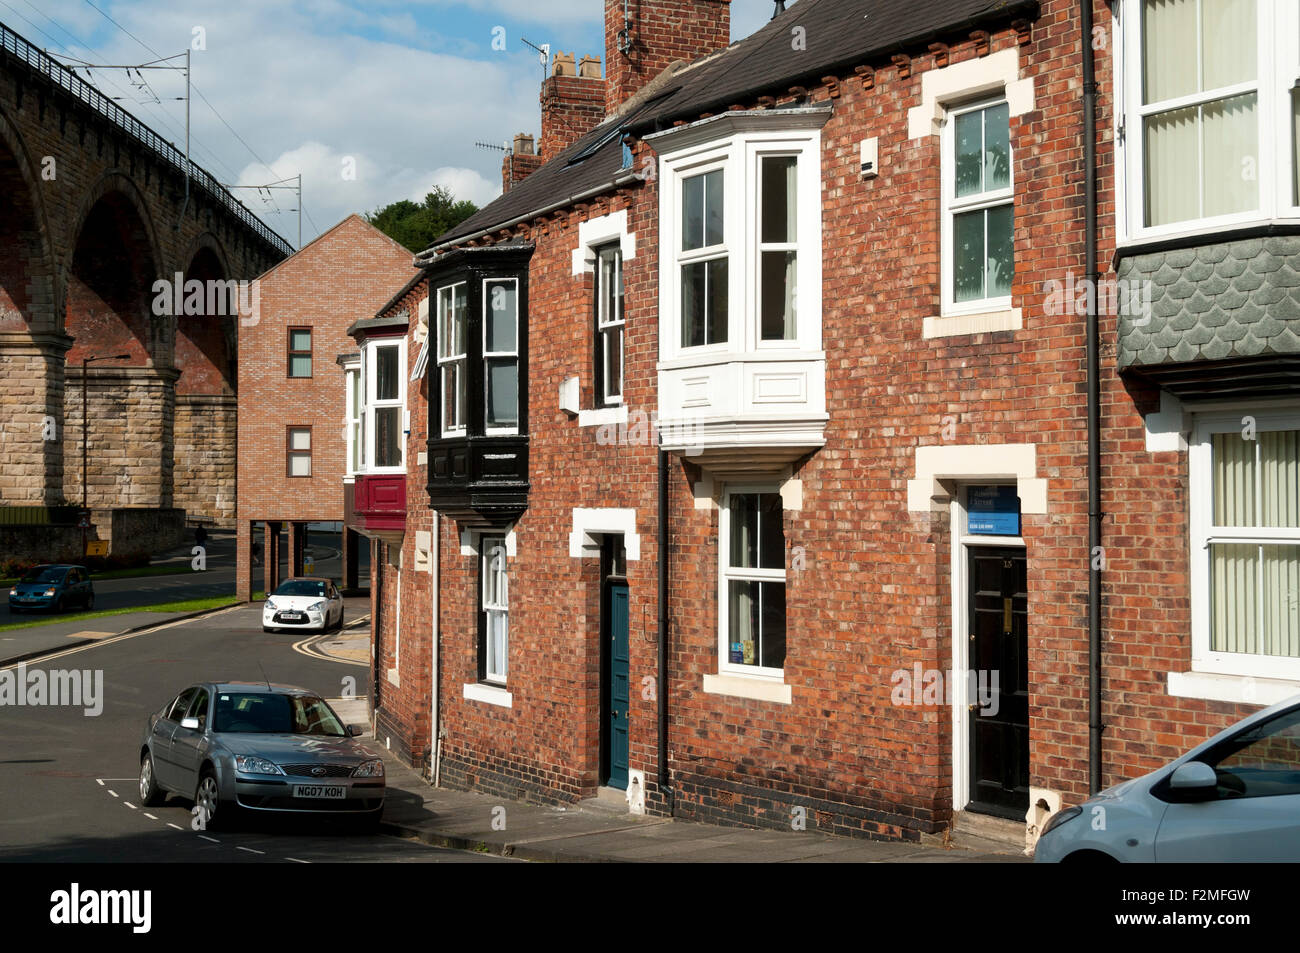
x: 235, y: 746
x: 1235, y: 798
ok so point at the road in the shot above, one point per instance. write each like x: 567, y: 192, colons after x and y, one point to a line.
x: 217, y: 579
x: 69, y: 779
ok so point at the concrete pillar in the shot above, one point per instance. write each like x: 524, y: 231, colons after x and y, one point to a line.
x: 244, y: 561
x: 297, y: 536
x: 271, y: 556
x: 131, y: 427
x: 33, y: 438
x: 351, y: 556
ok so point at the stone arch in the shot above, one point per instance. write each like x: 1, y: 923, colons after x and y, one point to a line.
x: 112, y: 261
x: 27, y: 270
x: 205, y: 339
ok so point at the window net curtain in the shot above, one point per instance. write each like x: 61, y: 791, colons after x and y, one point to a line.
x: 1255, y: 587
x: 1201, y: 160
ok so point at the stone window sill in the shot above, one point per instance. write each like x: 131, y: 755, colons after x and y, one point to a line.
x: 1241, y: 689
x: 983, y: 323
x: 491, y: 694
x: 601, y: 416
x: 757, y: 689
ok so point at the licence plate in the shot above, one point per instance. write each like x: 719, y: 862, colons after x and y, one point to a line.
x: 320, y: 790
x: 292, y: 615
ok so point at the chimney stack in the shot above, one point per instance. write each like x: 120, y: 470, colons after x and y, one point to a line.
x: 519, y: 163
x: 643, y: 37
x: 573, y: 102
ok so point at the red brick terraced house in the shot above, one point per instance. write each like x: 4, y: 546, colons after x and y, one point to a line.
x: 297, y: 430
x: 771, y: 461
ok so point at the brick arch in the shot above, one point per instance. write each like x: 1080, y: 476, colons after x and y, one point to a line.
x: 205, y: 343
x: 27, y: 285
x: 108, y: 272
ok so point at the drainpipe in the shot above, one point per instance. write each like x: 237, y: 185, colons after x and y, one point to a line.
x: 662, y: 544
x: 1094, y: 400
x: 435, y: 741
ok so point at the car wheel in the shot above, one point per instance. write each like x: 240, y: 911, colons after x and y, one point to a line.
x: 150, y: 793
x: 90, y: 601
x: 207, y: 798
x: 15, y: 610
x: 59, y: 605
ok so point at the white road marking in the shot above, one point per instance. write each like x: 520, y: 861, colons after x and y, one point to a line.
x: 112, y: 792
x: 99, y: 781
x: 213, y: 839
x: 125, y: 635
x: 129, y: 804
x: 150, y: 816
x: 177, y: 826
x: 251, y: 851
x: 297, y: 861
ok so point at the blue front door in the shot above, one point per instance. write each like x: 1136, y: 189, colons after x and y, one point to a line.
x: 617, y: 615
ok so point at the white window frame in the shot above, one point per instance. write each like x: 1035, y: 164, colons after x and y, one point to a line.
x: 354, y: 412
x: 702, y: 255
x: 490, y: 550
x: 607, y: 326
x: 370, y: 377
x: 952, y: 206
x: 460, y: 360
x: 727, y: 573
x: 1202, y: 533
x: 737, y: 155
x: 520, y: 397
x: 1278, y: 57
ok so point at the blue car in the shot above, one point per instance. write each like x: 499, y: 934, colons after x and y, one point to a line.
x: 53, y: 588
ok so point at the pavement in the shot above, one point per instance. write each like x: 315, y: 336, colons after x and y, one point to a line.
x: 600, y: 830
x: 17, y: 645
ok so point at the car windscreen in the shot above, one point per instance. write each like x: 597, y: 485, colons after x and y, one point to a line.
x: 300, y: 587
x: 275, y: 713
x: 44, y: 574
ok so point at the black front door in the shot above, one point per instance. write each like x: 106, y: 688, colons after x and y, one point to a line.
x: 615, y: 690
x: 999, y: 684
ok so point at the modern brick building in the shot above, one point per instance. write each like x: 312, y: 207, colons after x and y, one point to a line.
x: 756, y: 479
x: 296, y: 394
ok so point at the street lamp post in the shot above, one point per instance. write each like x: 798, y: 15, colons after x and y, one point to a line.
x: 85, y: 441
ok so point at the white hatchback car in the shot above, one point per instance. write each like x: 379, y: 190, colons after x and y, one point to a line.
x: 1235, y: 798
x: 305, y: 602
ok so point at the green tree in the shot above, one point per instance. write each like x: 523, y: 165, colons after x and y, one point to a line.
x: 416, y: 225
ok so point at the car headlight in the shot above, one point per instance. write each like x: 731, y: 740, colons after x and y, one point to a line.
x: 271, y: 605
x: 49, y: 592
x: 250, y: 764
x: 370, y: 769
x: 316, y: 607
x: 1059, y: 818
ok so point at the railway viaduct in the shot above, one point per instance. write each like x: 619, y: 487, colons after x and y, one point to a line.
x: 96, y: 208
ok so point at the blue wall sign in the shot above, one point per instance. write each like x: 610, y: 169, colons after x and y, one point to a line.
x: 992, y: 511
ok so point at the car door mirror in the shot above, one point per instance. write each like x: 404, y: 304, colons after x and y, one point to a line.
x: 190, y: 724
x: 355, y: 731
x: 1193, y: 781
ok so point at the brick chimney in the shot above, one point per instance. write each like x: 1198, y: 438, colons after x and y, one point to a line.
x: 573, y: 102
x: 519, y: 163
x: 642, y: 37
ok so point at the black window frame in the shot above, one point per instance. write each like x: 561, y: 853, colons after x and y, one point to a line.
x: 311, y: 360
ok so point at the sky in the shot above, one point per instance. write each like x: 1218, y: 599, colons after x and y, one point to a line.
x: 370, y: 102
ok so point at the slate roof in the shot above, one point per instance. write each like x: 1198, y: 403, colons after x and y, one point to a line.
x: 837, y: 34
x: 1221, y: 301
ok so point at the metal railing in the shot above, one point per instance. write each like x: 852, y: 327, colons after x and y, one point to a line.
x: 40, y: 61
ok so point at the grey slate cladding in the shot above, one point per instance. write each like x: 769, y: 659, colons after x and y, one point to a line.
x: 836, y: 35
x: 1219, y: 302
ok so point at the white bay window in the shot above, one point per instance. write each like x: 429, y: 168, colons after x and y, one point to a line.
x: 1208, y: 129
x: 741, y: 366
x: 1245, y: 471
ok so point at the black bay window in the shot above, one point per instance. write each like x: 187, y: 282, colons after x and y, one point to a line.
x: 478, y: 401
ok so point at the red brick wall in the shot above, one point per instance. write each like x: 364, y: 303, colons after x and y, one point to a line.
x: 345, y: 275
x: 874, y: 595
x: 572, y: 106
x: 662, y: 31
